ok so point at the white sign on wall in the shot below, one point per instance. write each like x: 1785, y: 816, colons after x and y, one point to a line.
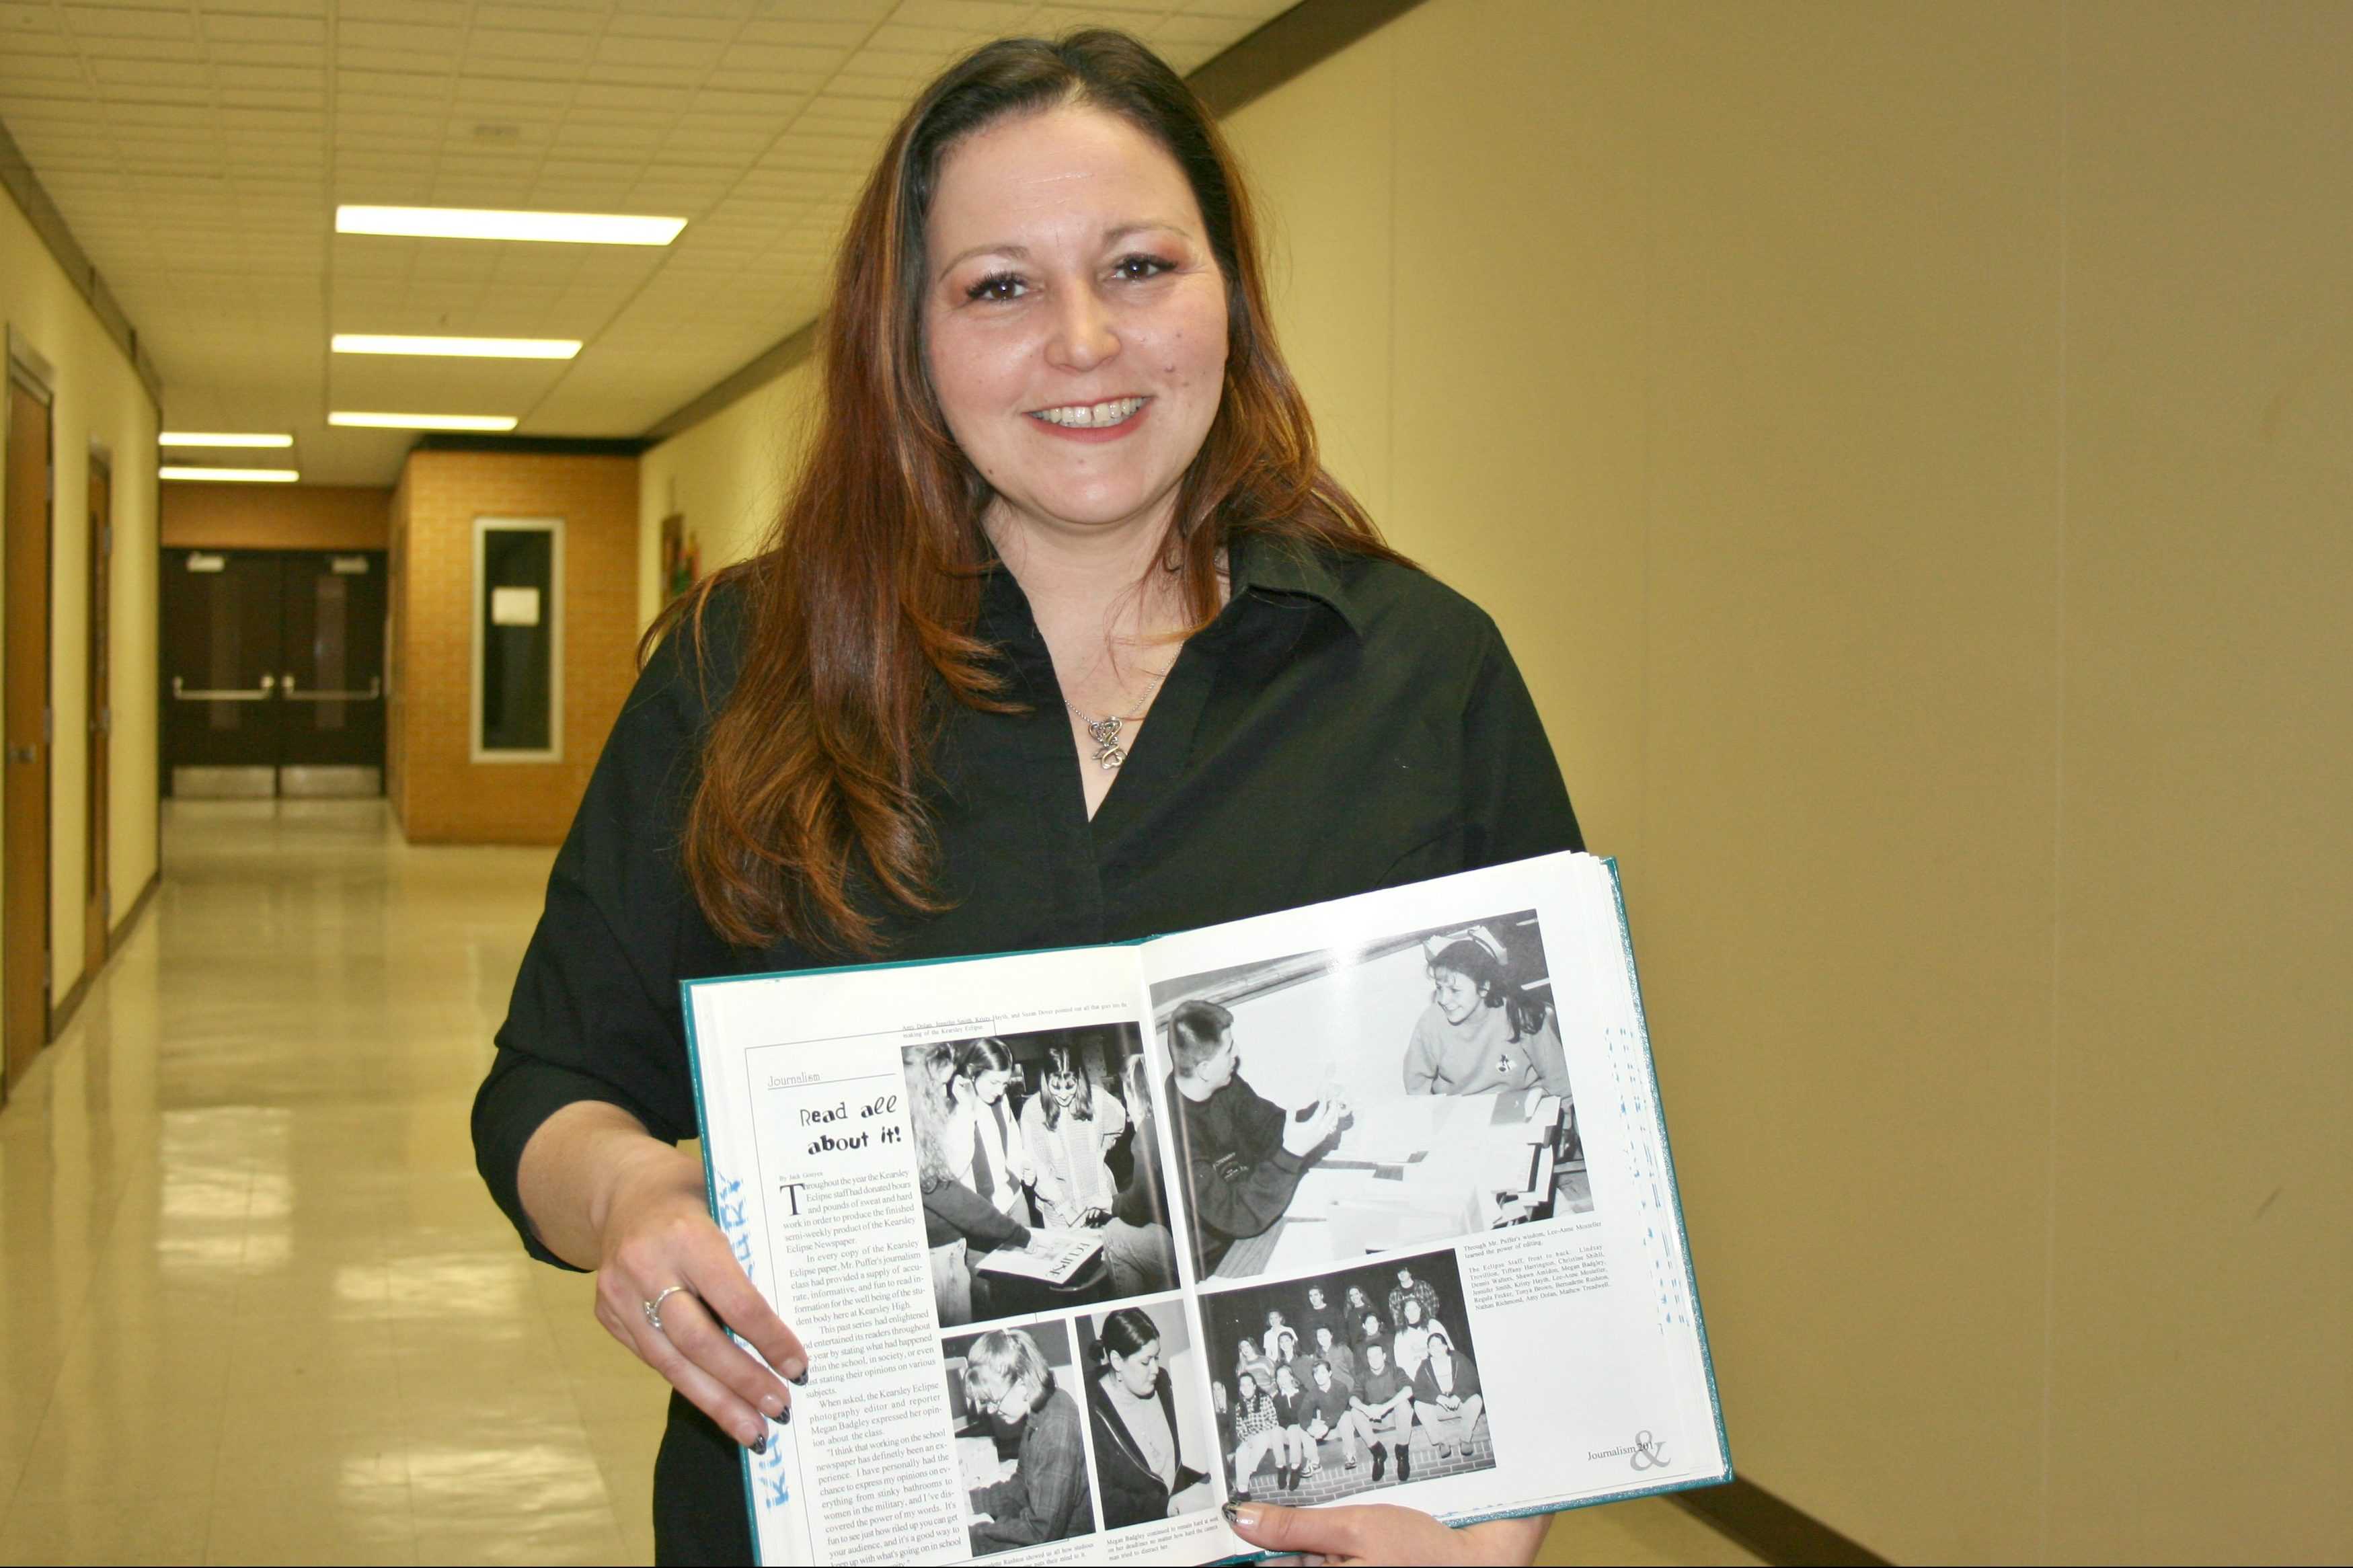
x: 514, y: 607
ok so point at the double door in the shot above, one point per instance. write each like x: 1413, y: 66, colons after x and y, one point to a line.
x: 273, y: 672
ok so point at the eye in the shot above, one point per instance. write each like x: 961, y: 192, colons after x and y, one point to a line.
x: 1136, y: 269
x: 998, y: 286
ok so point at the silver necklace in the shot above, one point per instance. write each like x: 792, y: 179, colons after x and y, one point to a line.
x: 1105, y: 731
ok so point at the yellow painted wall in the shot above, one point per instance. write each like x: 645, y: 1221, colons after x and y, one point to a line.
x: 726, y: 475
x: 1909, y: 450
x: 97, y: 397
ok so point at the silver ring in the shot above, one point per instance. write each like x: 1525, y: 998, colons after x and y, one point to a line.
x: 653, y: 1308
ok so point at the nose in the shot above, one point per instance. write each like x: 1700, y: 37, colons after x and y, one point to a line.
x: 1082, y: 336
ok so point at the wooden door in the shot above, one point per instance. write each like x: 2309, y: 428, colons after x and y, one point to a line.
x: 98, y: 898
x: 24, y: 727
x: 222, y: 624
x: 332, y: 680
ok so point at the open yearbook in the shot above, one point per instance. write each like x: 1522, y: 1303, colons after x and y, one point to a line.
x: 1365, y: 1201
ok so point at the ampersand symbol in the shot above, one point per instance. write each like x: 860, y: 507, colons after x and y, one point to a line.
x: 1646, y: 1453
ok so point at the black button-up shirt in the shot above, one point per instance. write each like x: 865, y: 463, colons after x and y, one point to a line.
x: 1344, y: 724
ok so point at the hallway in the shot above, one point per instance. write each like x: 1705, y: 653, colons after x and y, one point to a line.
x: 257, y: 1306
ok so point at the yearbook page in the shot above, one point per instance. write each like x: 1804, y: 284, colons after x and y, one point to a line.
x: 1368, y: 1201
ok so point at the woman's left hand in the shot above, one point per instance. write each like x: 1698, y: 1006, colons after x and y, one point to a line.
x: 1381, y: 1532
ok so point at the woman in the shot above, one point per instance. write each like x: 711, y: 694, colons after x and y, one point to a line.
x: 1139, y: 1453
x: 1062, y: 528
x: 1355, y: 1308
x: 1416, y: 1328
x: 1068, y: 1130
x: 1481, y: 1034
x: 1246, y: 1361
x: 956, y: 1223
x: 984, y: 1134
x: 1298, y: 1455
x: 1045, y: 1499
x: 1258, y: 1428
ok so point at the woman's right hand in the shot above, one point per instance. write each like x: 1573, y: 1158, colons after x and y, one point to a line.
x: 655, y: 1233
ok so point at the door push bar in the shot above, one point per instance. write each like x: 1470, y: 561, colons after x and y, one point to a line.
x: 261, y: 695
x: 375, y: 691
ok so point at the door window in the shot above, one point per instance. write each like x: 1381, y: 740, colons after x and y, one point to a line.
x: 518, y: 639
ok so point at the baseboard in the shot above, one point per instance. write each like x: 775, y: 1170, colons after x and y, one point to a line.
x: 1780, y: 1534
x: 130, y: 918
x: 62, y: 1013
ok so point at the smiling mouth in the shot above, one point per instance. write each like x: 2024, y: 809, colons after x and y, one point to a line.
x: 1091, y: 416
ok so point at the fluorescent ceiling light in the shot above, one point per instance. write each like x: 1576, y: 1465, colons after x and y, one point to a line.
x: 219, y: 439
x: 237, y: 476
x: 461, y: 348
x: 480, y: 223
x: 425, y: 421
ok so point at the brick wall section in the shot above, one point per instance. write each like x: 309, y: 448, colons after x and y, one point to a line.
x: 395, y: 668
x: 439, y: 795
x: 198, y: 516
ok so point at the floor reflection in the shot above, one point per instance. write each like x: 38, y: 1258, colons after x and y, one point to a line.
x: 258, y: 1306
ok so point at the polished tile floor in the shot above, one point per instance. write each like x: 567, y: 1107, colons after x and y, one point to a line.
x: 254, y: 1304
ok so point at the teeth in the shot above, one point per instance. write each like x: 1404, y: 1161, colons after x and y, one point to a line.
x: 1091, y: 416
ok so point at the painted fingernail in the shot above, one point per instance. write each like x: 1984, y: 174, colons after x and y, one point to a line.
x: 1240, y: 1518
x: 760, y: 1445
x: 799, y: 1379
x: 774, y: 1404
x: 786, y: 1419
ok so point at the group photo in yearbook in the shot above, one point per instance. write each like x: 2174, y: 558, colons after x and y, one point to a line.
x: 1336, y: 1103
x: 1039, y: 1164
x: 1156, y: 1446
x: 1339, y: 1382
x: 1014, y: 1396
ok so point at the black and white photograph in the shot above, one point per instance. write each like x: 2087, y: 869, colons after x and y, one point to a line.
x: 1341, y: 1102
x: 1039, y: 1158
x: 1156, y: 1446
x: 1340, y: 1382
x: 1014, y: 1394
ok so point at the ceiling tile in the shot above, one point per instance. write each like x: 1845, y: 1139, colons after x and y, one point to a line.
x: 486, y: 88
x: 244, y: 29
x: 447, y: 13
x: 572, y: 18
x: 502, y: 44
x: 102, y: 21
x: 805, y: 33
x: 673, y: 24
x: 1247, y: 12
x: 20, y: 72
x: 195, y: 148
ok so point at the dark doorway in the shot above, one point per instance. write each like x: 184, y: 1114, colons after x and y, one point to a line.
x: 25, y: 838
x: 273, y: 672
x: 100, y: 718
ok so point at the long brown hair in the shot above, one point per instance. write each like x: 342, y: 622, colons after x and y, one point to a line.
x: 862, y: 606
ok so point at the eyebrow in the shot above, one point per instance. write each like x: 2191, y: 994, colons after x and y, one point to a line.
x: 1111, y: 235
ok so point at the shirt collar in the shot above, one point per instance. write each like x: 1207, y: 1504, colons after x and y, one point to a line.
x: 1269, y: 568
x: 1280, y: 567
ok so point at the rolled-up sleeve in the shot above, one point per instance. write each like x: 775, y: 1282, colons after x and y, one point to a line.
x: 594, y: 1014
